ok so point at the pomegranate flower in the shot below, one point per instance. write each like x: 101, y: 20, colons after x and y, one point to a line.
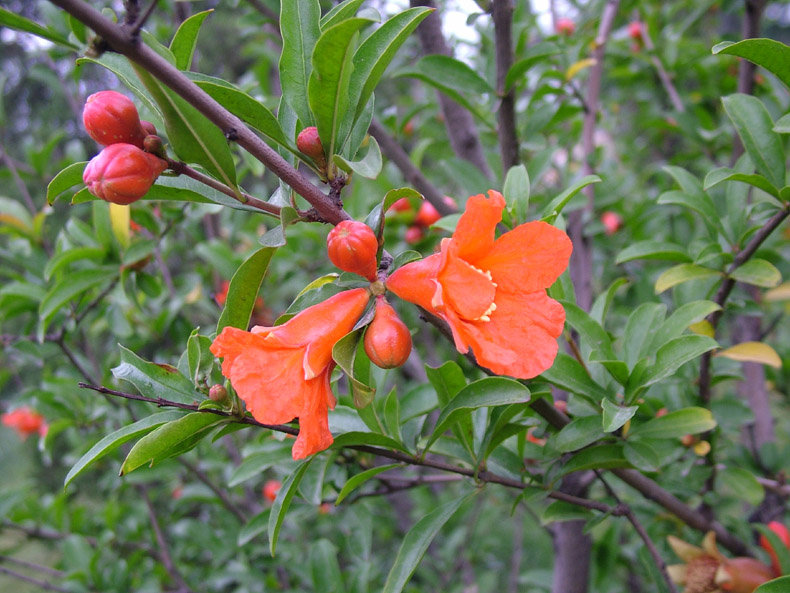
x: 283, y: 372
x: 492, y: 293
x: 25, y: 422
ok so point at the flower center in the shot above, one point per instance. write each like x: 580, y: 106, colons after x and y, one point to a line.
x: 468, y: 290
x: 701, y: 575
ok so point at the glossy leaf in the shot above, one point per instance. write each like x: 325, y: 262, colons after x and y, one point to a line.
x: 117, y: 438
x: 555, y: 207
x: 641, y: 455
x: 516, y: 191
x: 300, y: 28
x: 675, y: 424
x: 282, y: 503
x: 68, y: 256
x: 243, y: 290
x: 253, y: 528
x: 726, y: 174
x: 566, y: 373
x: 771, y: 55
x: 340, y: 12
x: 416, y: 543
x: 579, y: 433
x: 357, y: 480
x: 185, y: 40
x: 600, y: 457
x: 15, y: 21
x: 344, y: 354
x: 325, y: 568
x: 653, y: 250
x: 155, y: 380
x: 680, y: 274
x: 615, y: 416
x: 532, y: 56
x: 65, y: 179
x: 742, y: 484
x: 755, y: 128
x: 375, y: 219
x: 169, y: 438
x: 69, y: 288
x: 684, y: 317
x: 757, y: 272
x: 780, y: 585
x: 368, y: 166
x: 675, y: 353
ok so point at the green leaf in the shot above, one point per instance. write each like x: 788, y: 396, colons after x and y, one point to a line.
x: 771, y: 55
x: 589, y: 330
x: 699, y: 202
x: 392, y: 414
x: 192, y: 136
x: 356, y: 481
x: 416, y: 543
x: 600, y: 457
x: 93, y: 254
x: 680, y: 320
x: 328, y: 87
x: 282, y: 503
x: 375, y: 219
x: 675, y: 424
x: 368, y: 166
x: 559, y: 511
x: 726, y: 174
x: 741, y: 484
x: 300, y: 29
x: 344, y: 353
x: 67, y: 178
x: 780, y: 549
x: 199, y: 357
x: 555, y: 207
x: 114, y: 440
x: 488, y: 392
x: 675, y: 353
x: 566, y: 373
x: 340, y: 12
x: 155, y: 380
x: 780, y: 585
x: 20, y: 23
x: 755, y: 129
x: 375, y: 439
x: 757, y: 272
x: 275, y: 237
x: 642, y: 456
x: 169, y: 439
x: 533, y: 55
x: 516, y: 191
x: 243, y: 290
x: 782, y: 125
x: 248, y: 110
x: 579, y: 433
x: 680, y: 274
x: 376, y: 53
x: 653, y: 250
x: 615, y: 416
x: 324, y: 568
x: 70, y: 287
x: 185, y: 39
x: 254, y: 527
x: 253, y: 466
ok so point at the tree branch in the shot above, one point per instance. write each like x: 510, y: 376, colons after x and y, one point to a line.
x: 121, y: 41
x: 502, y: 12
x: 37, y: 582
x: 663, y: 75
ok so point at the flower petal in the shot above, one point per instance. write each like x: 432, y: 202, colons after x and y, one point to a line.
x: 474, y: 234
x: 269, y: 380
x: 465, y: 288
x: 314, y: 435
x: 521, y: 338
x: 528, y: 258
x: 416, y: 282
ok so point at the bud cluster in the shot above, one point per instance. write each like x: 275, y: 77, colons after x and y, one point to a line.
x: 132, y: 159
x: 420, y: 220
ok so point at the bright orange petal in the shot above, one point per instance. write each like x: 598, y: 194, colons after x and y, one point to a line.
x: 269, y: 380
x: 528, y: 258
x: 521, y: 338
x: 465, y: 288
x: 474, y: 234
x: 314, y: 435
x: 416, y: 282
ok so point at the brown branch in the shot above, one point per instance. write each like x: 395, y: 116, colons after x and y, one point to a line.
x: 223, y: 498
x: 37, y: 582
x: 502, y: 13
x: 32, y: 566
x: 726, y: 288
x: 663, y: 75
x: 412, y: 174
x: 121, y: 41
x: 457, y: 120
x: 247, y: 199
x: 164, y: 548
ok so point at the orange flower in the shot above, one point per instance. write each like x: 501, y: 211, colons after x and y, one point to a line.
x: 283, y: 372
x: 492, y: 293
x: 26, y: 422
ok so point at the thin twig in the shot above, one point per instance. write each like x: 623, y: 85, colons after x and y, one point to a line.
x: 663, y: 76
x: 73, y: 360
x: 164, y: 548
x: 226, y: 502
x: 45, y: 569
x: 232, y: 127
x: 9, y: 162
x: 37, y: 582
x: 502, y: 13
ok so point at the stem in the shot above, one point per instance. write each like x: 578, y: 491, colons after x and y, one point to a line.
x: 502, y: 12
x: 234, y: 129
x: 162, y: 544
x: 663, y: 76
x: 39, y: 583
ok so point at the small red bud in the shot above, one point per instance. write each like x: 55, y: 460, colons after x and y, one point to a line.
x: 635, y: 29
x: 427, y: 215
x: 387, y: 339
x: 352, y: 247
x: 309, y: 143
x: 565, y: 26
x: 122, y: 173
x: 414, y: 234
x: 402, y: 205
x: 218, y: 393
x: 148, y: 127
x: 270, y: 489
x: 561, y: 405
x: 112, y: 118
x: 612, y: 222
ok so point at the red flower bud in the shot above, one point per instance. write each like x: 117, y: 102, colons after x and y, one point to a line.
x: 635, y: 30
x: 122, y: 173
x: 218, y: 393
x: 25, y: 422
x: 742, y: 575
x: 112, y: 118
x: 414, y: 234
x: 402, y: 205
x: 612, y: 222
x: 784, y: 535
x: 565, y: 26
x: 270, y: 489
x: 428, y: 214
x: 387, y: 339
x: 155, y: 146
x: 308, y: 142
x: 352, y: 247
x: 148, y: 127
